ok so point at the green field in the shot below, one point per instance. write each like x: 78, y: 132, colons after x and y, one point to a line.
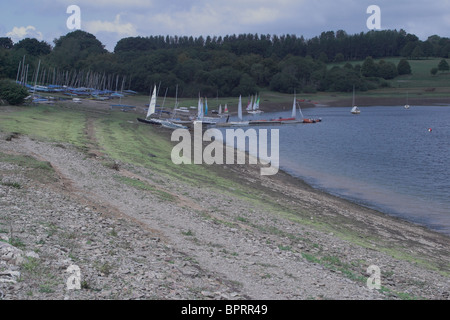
x: 420, y: 79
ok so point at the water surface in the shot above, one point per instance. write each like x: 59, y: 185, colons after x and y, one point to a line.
x: 386, y: 158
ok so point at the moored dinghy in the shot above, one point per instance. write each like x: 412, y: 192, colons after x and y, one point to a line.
x: 151, y: 111
x: 355, y: 109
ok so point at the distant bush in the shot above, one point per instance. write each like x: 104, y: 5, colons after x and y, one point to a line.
x: 403, y: 67
x: 13, y: 93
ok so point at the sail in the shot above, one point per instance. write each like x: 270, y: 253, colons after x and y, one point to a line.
x: 250, y: 104
x: 294, y: 109
x: 200, y: 109
x: 240, y: 108
x: 152, y: 106
x: 353, y: 99
x: 220, y: 109
x: 206, y: 106
x: 226, y: 108
x: 256, y: 105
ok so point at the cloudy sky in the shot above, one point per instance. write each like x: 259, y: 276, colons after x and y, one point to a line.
x: 112, y: 20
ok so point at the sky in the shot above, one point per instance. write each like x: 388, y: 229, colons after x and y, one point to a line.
x: 112, y: 20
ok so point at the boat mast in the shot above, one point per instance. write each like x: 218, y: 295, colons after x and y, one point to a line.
x: 35, y: 82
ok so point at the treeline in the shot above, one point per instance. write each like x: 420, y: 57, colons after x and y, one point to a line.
x: 233, y: 64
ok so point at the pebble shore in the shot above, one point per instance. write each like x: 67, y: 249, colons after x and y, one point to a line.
x: 182, y: 243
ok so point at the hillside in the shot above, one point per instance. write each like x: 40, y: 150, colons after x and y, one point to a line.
x: 224, y: 66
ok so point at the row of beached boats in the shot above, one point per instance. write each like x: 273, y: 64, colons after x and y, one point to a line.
x: 183, y: 118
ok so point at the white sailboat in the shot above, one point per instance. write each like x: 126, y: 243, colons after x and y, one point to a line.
x: 152, y: 105
x: 355, y: 109
x: 407, y: 106
x: 178, y: 123
x: 255, y: 106
x: 201, y: 115
x: 151, y: 111
x: 239, y: 123
x: 250, y: 105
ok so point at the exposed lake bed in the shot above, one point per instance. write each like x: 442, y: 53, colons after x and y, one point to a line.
x: 257, y: 238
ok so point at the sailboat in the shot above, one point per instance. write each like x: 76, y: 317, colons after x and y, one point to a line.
x: 280, y: 120
x: 250, y: 104
x: 293, y: 117
x: 240, y: 123
x: 178, y: 123
x: 355, y: 109
x: 201, y: 114
x: 255, y: 107
x: 407, y: 106
x: 151, y: 111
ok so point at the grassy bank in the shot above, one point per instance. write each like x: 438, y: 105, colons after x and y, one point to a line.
x: 45, y: 122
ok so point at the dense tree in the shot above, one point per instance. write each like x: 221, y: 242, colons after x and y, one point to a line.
x: 6, y: 43
x: 369, y: 68
x: 84, y: 40
x: 285, y: 82
x: 342, y: 79
x: 403, y: 67
x: 387, y: 70
x: 13, y: 93
x: 417, y: 53
x: 229, y: 64
x: 443, y: 66
x: 339, y: 57
x: 34, y: 47
x: 72, y: 49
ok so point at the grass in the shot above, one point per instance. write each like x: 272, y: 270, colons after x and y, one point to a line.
x: 14, y: 185
x: 46, y: 122
x: 138, y: 184
x: 25, y: 162
x: 417, y: 82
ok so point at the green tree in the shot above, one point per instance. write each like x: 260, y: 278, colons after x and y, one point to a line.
x: 6, y: 43
x: 284, y: 82
x: 417, y: 53
x: 247, y: 86
x: 34, y: 47
x: 387, y: 70
x: 70, y: 50
x: 342, y: 79
x: 369, y: 68
x: 339, y: 57
x: 443, y: 66
x: 13, y: 93
x: 403, y: 67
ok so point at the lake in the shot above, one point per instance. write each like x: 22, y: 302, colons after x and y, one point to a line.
x: 387, y: 158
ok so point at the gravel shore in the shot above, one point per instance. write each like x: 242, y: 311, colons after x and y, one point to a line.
x: 170, y: 241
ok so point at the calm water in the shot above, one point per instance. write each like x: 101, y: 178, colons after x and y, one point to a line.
x: 385, y: 158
